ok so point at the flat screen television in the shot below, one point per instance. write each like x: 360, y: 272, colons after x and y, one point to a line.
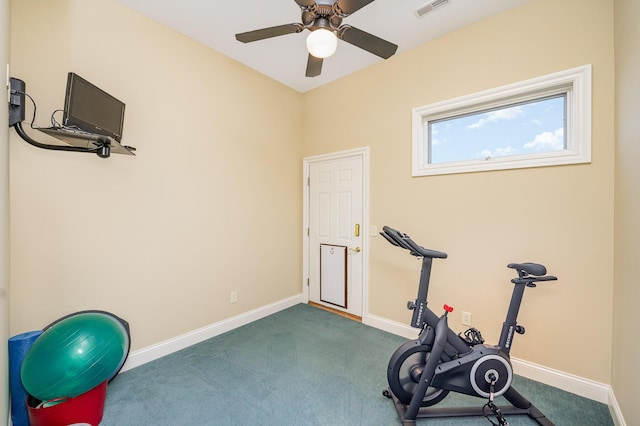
x: 91, y: 109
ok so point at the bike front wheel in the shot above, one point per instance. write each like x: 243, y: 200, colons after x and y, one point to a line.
x: 404, y: 371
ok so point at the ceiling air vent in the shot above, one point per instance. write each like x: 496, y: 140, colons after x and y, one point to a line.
x: 430, y: 7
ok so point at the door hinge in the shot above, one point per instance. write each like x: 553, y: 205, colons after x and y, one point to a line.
x: 308, y: 181
x: 307, y: 282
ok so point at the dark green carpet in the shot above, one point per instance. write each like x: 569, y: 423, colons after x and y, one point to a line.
x: 301, y: 366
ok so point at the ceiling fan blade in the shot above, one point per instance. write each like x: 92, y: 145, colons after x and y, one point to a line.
x: 314, y: 66
x: 305, y: 3
x: 350, y: 6
x: 263, y: 33
x: 366, y: 41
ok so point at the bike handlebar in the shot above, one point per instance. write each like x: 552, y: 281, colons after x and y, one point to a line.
x: 528, y: 273
x: 401, y: 239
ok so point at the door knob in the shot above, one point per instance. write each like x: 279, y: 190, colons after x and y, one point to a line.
x: 357, y: 249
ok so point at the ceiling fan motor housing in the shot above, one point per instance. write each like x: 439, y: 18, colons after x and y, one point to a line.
x: 322, y: 16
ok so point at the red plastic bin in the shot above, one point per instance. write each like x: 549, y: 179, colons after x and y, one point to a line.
x: 86, y: 408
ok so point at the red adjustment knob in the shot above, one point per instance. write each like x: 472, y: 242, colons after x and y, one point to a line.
x: 448, y: 308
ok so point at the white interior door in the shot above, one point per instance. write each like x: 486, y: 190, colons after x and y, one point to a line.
x: 336, y: 230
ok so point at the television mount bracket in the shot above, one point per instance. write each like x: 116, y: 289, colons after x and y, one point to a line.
x: 17, y: 91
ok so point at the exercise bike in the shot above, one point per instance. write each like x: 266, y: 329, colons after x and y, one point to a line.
x: 423, y: 371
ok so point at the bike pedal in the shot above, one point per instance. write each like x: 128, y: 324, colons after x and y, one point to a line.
x: 472, y: 336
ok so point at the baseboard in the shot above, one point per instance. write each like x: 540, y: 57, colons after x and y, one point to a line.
x: 567, y: 382
x: 390, y: 326
x: 153, y: 352
x: 616, y: 412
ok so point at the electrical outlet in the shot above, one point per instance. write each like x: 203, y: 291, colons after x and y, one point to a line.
x: 466, y: 318
x: 233, y: 297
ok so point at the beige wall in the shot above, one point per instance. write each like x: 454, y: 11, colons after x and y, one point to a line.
x: 626, y: 317
x: 4, y: 215
x: 559, y: 216
x: 210, y: 205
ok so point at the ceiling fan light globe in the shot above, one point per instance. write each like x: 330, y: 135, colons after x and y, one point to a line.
x: 322, y: 43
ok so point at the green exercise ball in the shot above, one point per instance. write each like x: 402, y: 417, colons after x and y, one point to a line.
x: 74, y: 355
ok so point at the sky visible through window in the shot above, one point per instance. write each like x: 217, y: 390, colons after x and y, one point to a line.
x: 527, y: 128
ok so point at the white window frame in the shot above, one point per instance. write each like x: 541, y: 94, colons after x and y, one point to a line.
x: 575, y: 82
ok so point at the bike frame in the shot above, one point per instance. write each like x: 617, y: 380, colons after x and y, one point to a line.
x: 446, y: 345
x: 423, y: 316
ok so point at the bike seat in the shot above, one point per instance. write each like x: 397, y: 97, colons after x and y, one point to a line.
x: 530, y: 268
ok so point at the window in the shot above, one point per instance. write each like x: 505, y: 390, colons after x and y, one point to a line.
x: 540, y: 122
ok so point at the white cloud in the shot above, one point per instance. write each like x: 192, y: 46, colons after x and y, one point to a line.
x: 434, y: 137
x: 499, y: 152
x: 506, y: 151
x: 547, y: 141
x: 501, y: 114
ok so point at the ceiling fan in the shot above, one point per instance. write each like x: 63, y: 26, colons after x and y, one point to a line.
x: 324, y: 19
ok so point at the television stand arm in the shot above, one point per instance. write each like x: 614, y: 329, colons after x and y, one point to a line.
x: 103, y: 151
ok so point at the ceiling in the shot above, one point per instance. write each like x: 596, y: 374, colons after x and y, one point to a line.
x: 214, y: 23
